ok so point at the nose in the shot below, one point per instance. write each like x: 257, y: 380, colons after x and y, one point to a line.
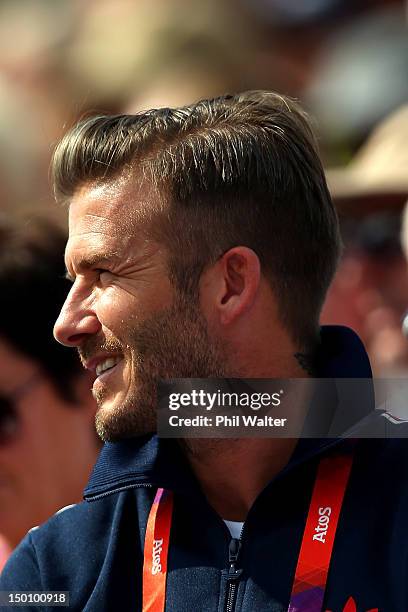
x: 76, y: 322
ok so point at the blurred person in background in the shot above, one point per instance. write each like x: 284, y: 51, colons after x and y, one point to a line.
x: 47, y: 440
x: 404, y: 243
x: 370, y: 292
x: 359, y: 74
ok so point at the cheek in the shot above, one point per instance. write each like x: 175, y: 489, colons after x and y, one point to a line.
x: 117, y: 310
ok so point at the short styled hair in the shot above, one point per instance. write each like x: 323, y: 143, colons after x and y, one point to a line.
x: 234, y: 170
x: 33, y: 289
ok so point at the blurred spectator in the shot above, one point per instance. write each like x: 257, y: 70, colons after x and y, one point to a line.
x: 377, y: 177
x: 47, y: 440
x: 370, y: 291
x: 361, y: 74
x: 140, y: 46
x: 33, y: 100
x: 404, y: 243
x: 404, y: 231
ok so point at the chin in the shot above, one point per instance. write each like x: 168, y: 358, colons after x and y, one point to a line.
x: 116, y: 421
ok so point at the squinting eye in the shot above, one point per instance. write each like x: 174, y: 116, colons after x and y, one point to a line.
x: 100, y: 272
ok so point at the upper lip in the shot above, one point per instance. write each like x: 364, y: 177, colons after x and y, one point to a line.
x: 91, y: 364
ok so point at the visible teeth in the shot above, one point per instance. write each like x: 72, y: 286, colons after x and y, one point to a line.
x: 107, y: 364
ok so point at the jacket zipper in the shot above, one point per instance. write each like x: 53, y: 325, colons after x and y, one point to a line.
x: 233, y: 573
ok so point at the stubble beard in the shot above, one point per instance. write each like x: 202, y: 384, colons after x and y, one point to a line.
x: 173, y: 343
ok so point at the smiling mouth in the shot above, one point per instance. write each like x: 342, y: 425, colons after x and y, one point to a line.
x: 107, y: 364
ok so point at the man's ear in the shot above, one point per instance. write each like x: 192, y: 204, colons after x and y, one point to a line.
x: 232, y: 284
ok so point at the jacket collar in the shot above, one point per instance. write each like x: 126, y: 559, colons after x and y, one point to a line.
x: 150, y: 461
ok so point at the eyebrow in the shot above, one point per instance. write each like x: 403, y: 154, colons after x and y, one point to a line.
x: 91, y: 261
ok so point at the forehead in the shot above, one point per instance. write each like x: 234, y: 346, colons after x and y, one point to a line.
x: 109, y: 217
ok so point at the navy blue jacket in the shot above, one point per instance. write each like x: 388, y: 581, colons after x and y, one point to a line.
x: 94, y: 550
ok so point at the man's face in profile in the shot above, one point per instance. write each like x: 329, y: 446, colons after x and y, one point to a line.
x: 130, y: 325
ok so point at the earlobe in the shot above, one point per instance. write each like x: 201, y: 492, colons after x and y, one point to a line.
x: 241, y: 272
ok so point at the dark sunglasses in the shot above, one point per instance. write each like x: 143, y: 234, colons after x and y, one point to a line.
x: 9, y: 413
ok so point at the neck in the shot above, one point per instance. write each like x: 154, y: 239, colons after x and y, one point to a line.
x: 232, y: 473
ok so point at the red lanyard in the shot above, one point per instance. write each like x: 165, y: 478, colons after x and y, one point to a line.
x: 316, y: 550
x: 155, y: 552
x: 315, y: 553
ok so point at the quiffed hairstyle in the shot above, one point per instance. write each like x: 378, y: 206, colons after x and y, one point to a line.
x: 33, y: 288
x: 235, y: 170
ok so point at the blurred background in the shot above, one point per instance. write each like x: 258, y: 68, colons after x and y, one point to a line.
x: 346, y: 61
